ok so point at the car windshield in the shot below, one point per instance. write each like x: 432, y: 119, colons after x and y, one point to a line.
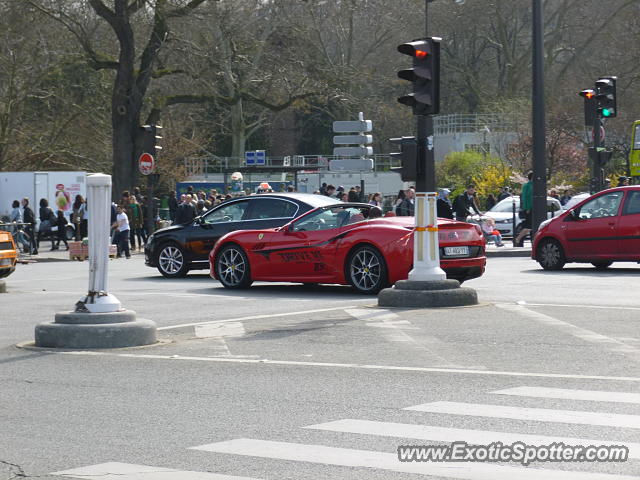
x: 331, y: 217
x: 505, y: 206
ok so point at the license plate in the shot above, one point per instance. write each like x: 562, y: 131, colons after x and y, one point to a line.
x: 456, y: 251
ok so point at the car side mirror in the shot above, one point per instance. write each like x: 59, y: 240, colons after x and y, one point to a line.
x: 286, y: 229
x: 575, y: 215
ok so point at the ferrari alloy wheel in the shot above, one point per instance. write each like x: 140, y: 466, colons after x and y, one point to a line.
x: 232, y: 267
x: 171, y: 261
x: 366, y: 270
x: 550, y: 255
x: 601, y: 265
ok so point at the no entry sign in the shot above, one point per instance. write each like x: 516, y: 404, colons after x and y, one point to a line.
x: 146, y: 164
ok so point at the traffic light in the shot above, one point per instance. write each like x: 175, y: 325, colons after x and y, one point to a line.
x: 425, y: 75
x: 408, y: 156
x: 589, y: 96
x: 150, y: 140
x: 606, y: 97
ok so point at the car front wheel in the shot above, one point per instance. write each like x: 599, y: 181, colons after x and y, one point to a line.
x: 232, y: 267
x: 550, y: 255
x: 171, y: 261
x: 367, y: 270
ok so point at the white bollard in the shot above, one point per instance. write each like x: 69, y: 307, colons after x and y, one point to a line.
x: 426, y: 253
x: 98, y: 300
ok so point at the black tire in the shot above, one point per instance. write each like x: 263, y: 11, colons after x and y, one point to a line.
x: 603, y: 265
x: 366, y: 270
x: 232, y: 267
x: 550, y: 255
x: 172, y: 261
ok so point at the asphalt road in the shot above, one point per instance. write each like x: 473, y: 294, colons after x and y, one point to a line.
x: 285, y: 381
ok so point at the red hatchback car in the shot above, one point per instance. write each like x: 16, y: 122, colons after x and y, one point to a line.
x: 600, y: 230
x: 343, y: 244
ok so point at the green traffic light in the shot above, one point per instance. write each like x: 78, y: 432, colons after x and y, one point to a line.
x: 606, y: 112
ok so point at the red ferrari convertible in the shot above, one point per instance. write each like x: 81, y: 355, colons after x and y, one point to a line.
x: 344, y: 244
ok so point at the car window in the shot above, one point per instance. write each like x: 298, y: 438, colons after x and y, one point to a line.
x: 328, y: 218
x: 227, y: 213
x: 262, y: 208
x: 632, y: 203
x: 603, y: 206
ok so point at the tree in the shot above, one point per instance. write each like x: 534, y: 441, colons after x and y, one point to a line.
x: 133, y: 73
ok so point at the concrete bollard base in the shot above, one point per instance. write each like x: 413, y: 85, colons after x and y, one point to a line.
x: 440, y: 293
x: 95, y: 330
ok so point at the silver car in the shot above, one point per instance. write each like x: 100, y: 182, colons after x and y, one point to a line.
x: 502, y: 213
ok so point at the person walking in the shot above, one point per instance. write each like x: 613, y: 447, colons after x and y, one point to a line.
x: 47, y: 219
x: 136, y: 223
x: 565, y: 198
x: 16, y: 214
x: 173, y: 206
x: 376, y: 199
x: 623, y: 181
x: 526, y: 206
x: 186, y: 211
x: 465, y: 203
x: 491, y: 201
x: 443, y: 204
x: 505, y: 192
x: 122, y: 232
x: 407, y: 207
x: 29, y: 218
x: 78, y: 216
x: 59, y: 230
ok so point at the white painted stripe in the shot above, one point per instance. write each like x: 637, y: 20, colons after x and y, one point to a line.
x: 346, y: 457
x: 606, y: 307
x: 358, y: 366
x: 228, y: 329
x: 567, y: 394
x: 449, y: 435
x: 565, y: 327
x: 257, y: 317
x: 127, y: 471
x: 534, y: 414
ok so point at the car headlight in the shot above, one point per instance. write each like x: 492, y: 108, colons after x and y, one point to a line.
x: 544, y: 224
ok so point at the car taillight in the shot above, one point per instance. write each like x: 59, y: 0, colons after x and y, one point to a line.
x: 478, y: 229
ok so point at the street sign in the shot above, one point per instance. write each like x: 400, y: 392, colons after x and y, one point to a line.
x: 351, y: 139
x: 351, y: 165
x: 352, y: 151
x: 352, y: 126
x: 146, y: 164
x: 255, y: 157
x: 602, y: 133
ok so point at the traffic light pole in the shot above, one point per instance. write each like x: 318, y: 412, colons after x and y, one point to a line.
x: 539, y: 140
x: 597, y: 175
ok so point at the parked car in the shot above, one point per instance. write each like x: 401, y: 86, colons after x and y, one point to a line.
x: 8, y: 254
x: 502, y: 213
x: 342, y: 244
x: 179, y: 248
x: 602, y: 229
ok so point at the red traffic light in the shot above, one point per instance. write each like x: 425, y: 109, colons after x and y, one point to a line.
x: 588, y: 93
x: 419, y: 49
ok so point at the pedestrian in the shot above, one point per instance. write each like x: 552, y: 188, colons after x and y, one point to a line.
x: 565, y: 198
x: 47, y: 220
x: 323, y: 188
x: 526, y: 210
x: 623, y: 181
x: 173, y: 206
x: 77, y: 216
x: 16, y: 213
x: 401, y: 196
x: 330, y: 190
x: 353, y: 196
x: 186, y: 211
x: 59, y: 230
x: 343, y: 196
x: 201, y: 208
x: 553, y: 193
x: 491, y: 233
x: 291, y: 189
x: 505, y: 192
x: 30, y: 219
x: 443, y: 204
x: 376, y: 199
x: 407, y: 207
x: 490, y: 202
x: 465, y: 203
x: 135, y: 218
x: 122, y: 232
x: 137, y: 194
x: 359, y: 192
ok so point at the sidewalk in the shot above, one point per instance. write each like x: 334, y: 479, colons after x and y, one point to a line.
x: 509, y: 250
x: 62, y: 255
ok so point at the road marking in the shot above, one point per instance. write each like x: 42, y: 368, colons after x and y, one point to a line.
x: 579, y: 306
x: 567, y: 394
x: 590, y: 336
x: 128, y: 471
x: 449, y: 435
x: 227, y: 329
x: 265, y: 361
x: 534, y: 414
x: 258, y: 317
x: 347, y: 457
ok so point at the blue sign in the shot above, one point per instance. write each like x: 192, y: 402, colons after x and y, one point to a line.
x: 261, y: 157
x: 255, y: 157
x: 250, y: 158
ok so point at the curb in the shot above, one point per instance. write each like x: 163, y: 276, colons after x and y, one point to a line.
x: 520, y: 252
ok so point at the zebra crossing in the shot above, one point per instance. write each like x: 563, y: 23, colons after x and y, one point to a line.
x: 327, y: 455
